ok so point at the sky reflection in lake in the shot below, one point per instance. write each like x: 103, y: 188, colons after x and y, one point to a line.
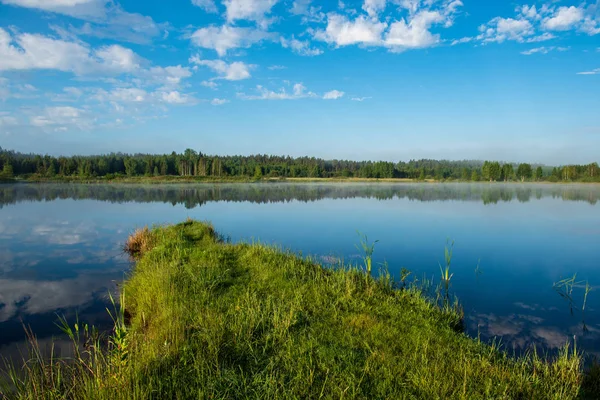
x: 60, y: 245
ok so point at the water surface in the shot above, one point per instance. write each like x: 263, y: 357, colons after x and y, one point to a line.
x: 60, y: 245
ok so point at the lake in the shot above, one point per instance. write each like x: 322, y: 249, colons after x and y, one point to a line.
x: 61, y: 246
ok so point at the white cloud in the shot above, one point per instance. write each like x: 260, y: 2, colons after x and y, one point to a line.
x: 501, y: 29
x: 168, y: 77
x: 69, y: 94
x: 343, y: 32
x: 543, y: 50
x: 118, y: 58
x: 532, y: 24
x: 105, y: 18
x: 564, y: 19
x: 62, y: 118
x: 32, y: 51
x: 298, y: 92
x: 301, y: 47
x: 235, y: 71
x: 411, y: 32
x: 210, y: 84
x: 207, y: 5
x: 300, y: 7
x: 124, y: 98
x: 592, y: 72
x: 219, y: 102
x: 175, y: 97
x: 279, y: 67
x: 253, y: 10
x: 360, y: 98
x: 225, y: 38
x: 333, y: 95
x: 414, y: 34
x: 374, y: 7
x: 125, y: 95
x: 74, y: 8
x: 541, y: 38
x: 122, y: 26
x: 529, y: 12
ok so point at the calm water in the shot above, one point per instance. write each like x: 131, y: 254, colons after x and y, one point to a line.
x: 60, y: 245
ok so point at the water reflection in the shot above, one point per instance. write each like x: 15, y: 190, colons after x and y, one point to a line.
x: 197, y: 195
x: 60, y: 245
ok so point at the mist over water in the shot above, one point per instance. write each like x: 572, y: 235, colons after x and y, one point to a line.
x: 60, y: 245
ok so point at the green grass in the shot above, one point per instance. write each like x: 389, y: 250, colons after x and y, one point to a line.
x: 206, y: 319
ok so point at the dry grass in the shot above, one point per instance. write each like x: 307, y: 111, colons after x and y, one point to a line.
x: 139, y: 242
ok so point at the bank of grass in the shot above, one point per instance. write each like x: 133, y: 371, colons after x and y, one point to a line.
x: 34, y: 178
x: 207, y: 319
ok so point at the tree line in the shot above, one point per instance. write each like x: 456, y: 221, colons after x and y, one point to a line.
x: 193, y: 163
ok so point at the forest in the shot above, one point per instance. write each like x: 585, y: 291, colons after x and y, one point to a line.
x: 196, y: 164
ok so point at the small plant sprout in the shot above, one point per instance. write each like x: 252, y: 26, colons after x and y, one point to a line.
x: 446, y: 275
x: 588, y: 289
x: 368, y: 249
x: 565, y: 290
x: 445, y: 270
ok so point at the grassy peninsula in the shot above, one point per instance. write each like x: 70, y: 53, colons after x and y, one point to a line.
x: 204, y: 318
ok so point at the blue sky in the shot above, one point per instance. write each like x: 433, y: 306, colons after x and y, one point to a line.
x: 371, y: 79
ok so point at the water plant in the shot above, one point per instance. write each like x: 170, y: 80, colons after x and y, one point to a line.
x: 446, y: 275
x: 565, y: 289
x: 367, y: 249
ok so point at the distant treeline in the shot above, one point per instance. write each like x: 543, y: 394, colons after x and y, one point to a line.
x: 192, y: 163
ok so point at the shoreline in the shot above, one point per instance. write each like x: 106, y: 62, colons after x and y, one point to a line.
x: 244, y: 180
x: 202, y: 317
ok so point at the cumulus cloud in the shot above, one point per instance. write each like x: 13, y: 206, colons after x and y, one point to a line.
x: 360, y: 98
x: 175, y: 97
x: 333, y: 95
x: 210, y: 84
x: 225, y: 38
x: 300, y: 7
x: 410, y: 32
x: 62, y: 119
x: 415, y: 33
x: 537, y: 24
x: 301, y: 47
x: 342, y: 31
x: 374, y: 7
x: 501, y: 29
x: 235, y: 71
x: 167, y: 77
x: 207, y: 5
x: 253, y: 10
x: 33, y: 51
x: 104, y: 18
x: 299, y: 91
x: 73, y: 8
x: 564, y: 18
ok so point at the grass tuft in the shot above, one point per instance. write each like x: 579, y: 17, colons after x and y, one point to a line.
x: 139, y: 242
